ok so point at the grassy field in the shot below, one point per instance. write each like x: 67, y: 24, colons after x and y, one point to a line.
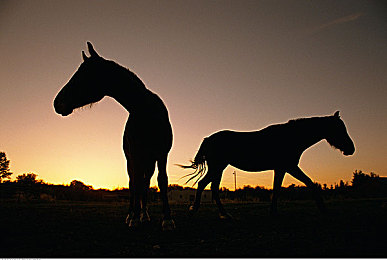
x: 351, y: 228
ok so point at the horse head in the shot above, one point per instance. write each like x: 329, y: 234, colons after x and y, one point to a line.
x: 337, y: 135
x: 85, y: 87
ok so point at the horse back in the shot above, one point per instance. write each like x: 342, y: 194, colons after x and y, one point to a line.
x: 254, y: 151
x: 269, y: 138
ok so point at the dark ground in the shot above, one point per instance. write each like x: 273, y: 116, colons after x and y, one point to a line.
x: 351, y: 228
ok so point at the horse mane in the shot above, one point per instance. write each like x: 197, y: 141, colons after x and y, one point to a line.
x: 133, y: 76
x: 317, y: 120
x: 303, y: 120
x: 300, y: 122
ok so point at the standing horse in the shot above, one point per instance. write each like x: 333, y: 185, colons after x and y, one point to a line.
x: 276, y: 147
x: 148, y: 132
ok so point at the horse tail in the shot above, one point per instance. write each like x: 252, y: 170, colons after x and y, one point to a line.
x: 199, y: 164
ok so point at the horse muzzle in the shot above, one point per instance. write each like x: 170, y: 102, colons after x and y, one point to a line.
x: 62, y: 109
x: 350, y: 151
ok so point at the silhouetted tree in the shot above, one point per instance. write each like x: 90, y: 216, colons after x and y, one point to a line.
x: 4, y: 167
x: 369, y: 185
x: 360, y: 178
x: 27, y: 179
x: 153, y: 194
x: 153, y: 189
x: 80, y: 191
x: 318, y: 185
x: 29, y: 186
x: 78, y: 185
x: 175, y: 187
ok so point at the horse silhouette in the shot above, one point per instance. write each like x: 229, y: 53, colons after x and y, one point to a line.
x: 148, y: 133
x: 276, y: 147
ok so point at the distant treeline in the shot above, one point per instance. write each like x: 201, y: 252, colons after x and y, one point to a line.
x: 27, y: 188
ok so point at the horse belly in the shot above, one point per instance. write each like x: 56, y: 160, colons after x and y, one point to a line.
x: 253, y: 161
x: 252, y: 166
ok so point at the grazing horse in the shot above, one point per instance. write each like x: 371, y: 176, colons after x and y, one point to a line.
x: 276, y: 147
x: 148, y: 132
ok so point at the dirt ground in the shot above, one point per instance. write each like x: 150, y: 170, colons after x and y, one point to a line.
x: 351, y: 228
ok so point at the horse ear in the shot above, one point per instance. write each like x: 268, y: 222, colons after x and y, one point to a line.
x: 337, y: 114
x: 92, y: 52
x: 84, y: 56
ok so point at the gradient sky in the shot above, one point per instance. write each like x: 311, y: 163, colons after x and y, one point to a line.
x: 239, y: 65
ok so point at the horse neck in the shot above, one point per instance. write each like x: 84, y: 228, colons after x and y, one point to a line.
x: 311, y: 131
x: 127, y: 89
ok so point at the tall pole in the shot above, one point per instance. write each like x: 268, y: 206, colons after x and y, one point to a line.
x: 235, y: 175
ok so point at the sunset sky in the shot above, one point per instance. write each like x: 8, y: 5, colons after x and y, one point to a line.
x: 239, y: 65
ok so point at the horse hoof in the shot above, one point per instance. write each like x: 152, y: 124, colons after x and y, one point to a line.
x: 134, y: 223
x: 225, y: 216
x: 127, y: 220
x: 168, y: 225
x: 144, y: 217
x: 192, y: 210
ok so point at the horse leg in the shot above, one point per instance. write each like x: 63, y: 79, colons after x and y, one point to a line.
x: 162, y: 179
x: 130, y: 170
x: 201, y: 186
x: 215, y: 196
x: 144, y: 216
x: 277, y: 183
x: 131, y: 201
x: 135, y: 220
x: 131, y: 188
x: 138, y: 187
x: 297, y: 173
